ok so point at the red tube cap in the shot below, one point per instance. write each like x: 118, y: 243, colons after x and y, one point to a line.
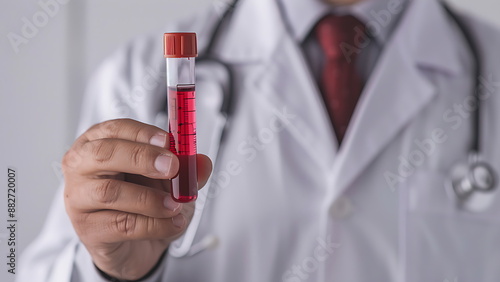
x: 180, y: 45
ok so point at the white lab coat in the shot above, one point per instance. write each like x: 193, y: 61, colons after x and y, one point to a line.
x: 285, y: 204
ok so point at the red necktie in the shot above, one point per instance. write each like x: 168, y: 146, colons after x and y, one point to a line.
x: 340, y: 84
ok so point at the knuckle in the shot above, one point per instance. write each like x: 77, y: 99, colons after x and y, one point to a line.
x: 125, y: 223
x: 101, y: 150
x: 136, y: 131
x: 111, y: 128
x: 157, y: 228
x: 142, y: 133
x: 143, y: 200
x: 94, y: 127
x: 116, y: 127
x: 106, y: 192
x: 70, y: 160
x: 139, y: 155
x: 152, y: 226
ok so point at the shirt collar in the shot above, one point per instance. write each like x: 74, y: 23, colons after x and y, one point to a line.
x: 379, y: 16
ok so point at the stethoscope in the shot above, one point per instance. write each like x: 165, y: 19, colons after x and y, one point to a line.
x: 465, y: 178
x: 474, y: 175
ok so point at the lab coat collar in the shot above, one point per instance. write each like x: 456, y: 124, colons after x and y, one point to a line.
x: 378, y: 15
x: 256, y: 28
x: 432, y: 37
x: 303, y: 15
x: 398, y: 89
x: 253, y: 32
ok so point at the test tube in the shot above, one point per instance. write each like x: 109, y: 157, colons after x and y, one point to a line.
x: 180, y: 51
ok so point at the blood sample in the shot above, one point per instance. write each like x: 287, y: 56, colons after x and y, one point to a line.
x: 180, y: 53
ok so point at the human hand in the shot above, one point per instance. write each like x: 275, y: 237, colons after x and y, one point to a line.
x: 117, y: 195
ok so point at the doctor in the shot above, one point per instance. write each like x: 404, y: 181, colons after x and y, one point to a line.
x: 347, y: 118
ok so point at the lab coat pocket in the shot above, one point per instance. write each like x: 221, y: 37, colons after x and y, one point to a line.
x: 427, y: 193
x: 430, y: 192
x: 443, y: 241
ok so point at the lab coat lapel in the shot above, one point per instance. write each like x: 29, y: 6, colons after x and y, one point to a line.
x: 281, y: 79
x: 395, y: 94
x: 286, y: 83
x: 398, y: 89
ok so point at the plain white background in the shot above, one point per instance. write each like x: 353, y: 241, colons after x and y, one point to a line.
x: 42, y: 82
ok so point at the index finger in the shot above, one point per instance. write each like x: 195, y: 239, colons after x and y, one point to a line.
x: 127, y: 129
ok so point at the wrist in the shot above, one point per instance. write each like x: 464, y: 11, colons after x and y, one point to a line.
x: 148, y: 275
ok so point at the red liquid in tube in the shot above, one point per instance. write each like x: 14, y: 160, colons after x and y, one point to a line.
x: 180, y: 51
x: 182, y: 125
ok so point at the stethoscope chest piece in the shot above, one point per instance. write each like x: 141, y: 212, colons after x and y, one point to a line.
x: 471, y: 183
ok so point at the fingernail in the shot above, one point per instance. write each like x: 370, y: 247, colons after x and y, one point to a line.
x: 158, y: 140
x: 178, y: 220
x: 163, y: 163
x: 170, y: 204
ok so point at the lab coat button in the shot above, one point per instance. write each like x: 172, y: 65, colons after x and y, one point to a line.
x: 341, y: 208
